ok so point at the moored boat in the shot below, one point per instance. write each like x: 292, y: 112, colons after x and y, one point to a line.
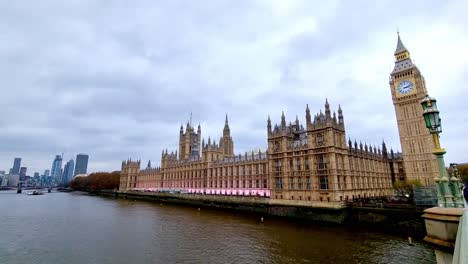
x: 35, y: 192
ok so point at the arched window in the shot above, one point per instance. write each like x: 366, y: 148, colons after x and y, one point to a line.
x: 319, y: 139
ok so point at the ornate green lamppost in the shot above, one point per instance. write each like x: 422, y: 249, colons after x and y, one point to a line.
x: 448, y: 189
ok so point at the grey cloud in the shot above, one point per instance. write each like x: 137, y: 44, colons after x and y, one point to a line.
x: 116, y: 80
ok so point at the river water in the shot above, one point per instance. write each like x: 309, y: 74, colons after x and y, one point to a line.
x: 78, y: 228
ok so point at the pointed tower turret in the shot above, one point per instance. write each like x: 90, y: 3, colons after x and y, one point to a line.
x: 269, y: 124
x: 308, y: 118
x: 327, y: 109
x: 226, y: 130
x: 340, y: 115
x: 226, y: 143
x: 400, y: 47
x: 384, y: 147
x: 402, y: 54
x: 283, y: 121
x: 149, y: 164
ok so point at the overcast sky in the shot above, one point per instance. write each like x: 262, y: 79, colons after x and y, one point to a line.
x: 115, y: 79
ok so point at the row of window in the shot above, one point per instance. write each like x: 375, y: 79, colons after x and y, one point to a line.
x: 410, y: 111
x: 298, y: 184
x: 323, y: 183
x: 321, y: 164
x: 404, y: 74
x: 360, y: 164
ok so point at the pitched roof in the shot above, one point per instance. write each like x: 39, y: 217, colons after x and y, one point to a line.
x: 400, y: 47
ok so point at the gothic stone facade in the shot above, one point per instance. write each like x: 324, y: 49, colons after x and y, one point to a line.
x: 408, y: 88
x: 310, y: 164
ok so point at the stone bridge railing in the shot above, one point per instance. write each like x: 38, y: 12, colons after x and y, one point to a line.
x: 447, y: 233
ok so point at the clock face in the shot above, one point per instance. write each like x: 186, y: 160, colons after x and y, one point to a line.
x: 405, y: 87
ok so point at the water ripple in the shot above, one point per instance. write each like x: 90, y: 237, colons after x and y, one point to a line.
x: 74, y: 228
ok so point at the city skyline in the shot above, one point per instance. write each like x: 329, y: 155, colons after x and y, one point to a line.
x: 61, y: 173
x: 112, y: 73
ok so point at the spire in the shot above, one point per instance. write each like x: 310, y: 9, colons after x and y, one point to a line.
x: 226, y: 130
x: 308, y: 119
x: 181, y: 129
x: 400, y: 47
x: 384, y: 147
x: 199, y: 127
x: 190, y: 118
x: 340, y: 115
x: 269, y: 124
x: 297, y: 122
x: 327, y: 108
x: 149, y: 164
x: 283, y: 120
x: 226, y: 122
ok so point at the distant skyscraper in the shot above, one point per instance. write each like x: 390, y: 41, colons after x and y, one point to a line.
x: 36, y: 175
x: 16, y: 166
x: 56, y: 171
x: 22, y: 173
x: 81, y: 164
x: 68, y: 172
x: 45, y: 178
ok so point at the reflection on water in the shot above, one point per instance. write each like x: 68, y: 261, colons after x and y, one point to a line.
x: 76, y: 228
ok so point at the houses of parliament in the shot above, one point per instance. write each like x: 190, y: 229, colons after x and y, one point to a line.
x: 305, y: 163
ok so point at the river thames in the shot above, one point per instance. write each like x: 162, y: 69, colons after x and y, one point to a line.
x: 79, y: 228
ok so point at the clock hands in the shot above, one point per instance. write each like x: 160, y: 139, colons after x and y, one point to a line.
x: 405, y: 87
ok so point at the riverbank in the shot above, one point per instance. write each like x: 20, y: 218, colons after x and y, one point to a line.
x: 404, y: 222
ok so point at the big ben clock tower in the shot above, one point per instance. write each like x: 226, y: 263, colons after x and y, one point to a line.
x: 408, y: 89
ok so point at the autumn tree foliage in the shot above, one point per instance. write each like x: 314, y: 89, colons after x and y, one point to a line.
x: 97, y: 181
x: 406, y: 188
x: 462, y: 171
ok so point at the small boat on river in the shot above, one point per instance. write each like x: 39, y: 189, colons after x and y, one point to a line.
x: 35, y: 192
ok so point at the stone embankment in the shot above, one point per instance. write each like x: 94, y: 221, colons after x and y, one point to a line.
x: 401, y: 221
